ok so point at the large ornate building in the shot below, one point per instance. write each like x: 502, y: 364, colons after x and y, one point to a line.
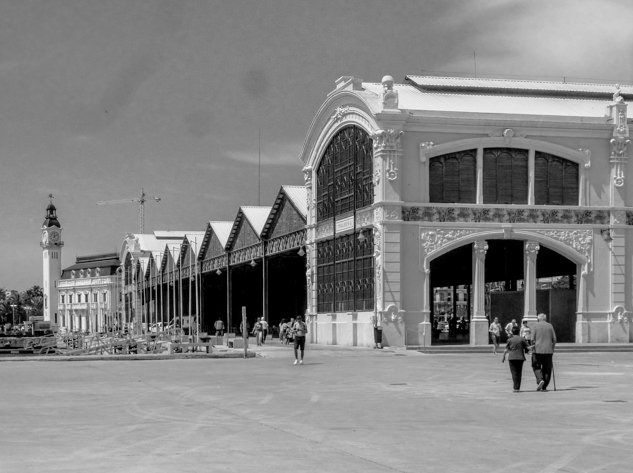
x: 516, y: 192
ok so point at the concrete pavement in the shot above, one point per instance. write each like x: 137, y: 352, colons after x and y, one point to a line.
x: 344, y: 410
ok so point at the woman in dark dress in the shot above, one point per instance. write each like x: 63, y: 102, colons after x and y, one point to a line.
x: 515, y: 350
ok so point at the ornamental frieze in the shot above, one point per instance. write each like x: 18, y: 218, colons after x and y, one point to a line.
x: 507, y: 215
x: 247, y: 254
x: 364, y: 218
x: 432, y: 240
x: 579, y: 240
x: 325, y: 229
x: 286, y: 242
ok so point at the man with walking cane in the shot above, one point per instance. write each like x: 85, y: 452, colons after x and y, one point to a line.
x: 544, y: 343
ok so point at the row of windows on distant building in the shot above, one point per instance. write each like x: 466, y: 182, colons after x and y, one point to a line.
x: 85, y: 273
x: 82, y: 297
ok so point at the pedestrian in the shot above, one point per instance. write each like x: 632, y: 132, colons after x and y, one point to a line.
x: 289, y: 333
x: 377, y: 332
x: 264, y: 329
x: 544, y: 343
x: 495, y: 333
x: 299, y: 331
x: 258, y: 331
x: 283, y: 328
x: 526, y: 332
x: 219, y: 328
x: 515, y: 351
x: 510, y: 326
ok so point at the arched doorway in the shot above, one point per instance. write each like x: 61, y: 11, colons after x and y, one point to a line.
x: 452, y: 289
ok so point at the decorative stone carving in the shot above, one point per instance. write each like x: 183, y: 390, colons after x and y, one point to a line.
x: 387, y: 139
x: 392, y: 213
x: 587, y: 153
x: 620, y: 140
x: 378, y: 267
x: 340, y: 113
x: 618, y: 217
x: 424, y: 149
x: 364, y: 218
x: 325, y: 229
x: 391, y: 171
x: 377, y: 170
x: 307, y: 176
x: 531, y: 249
x: 389, y: 95
x: 391, y: 314
x: 433, y: 240
x: 580, y: 240
x: 508, y: 134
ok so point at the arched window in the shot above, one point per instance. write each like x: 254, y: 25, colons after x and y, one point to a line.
x: 344, y: 175
x: 505, y: 176
x: 555, y: 180
x: 453, y: 178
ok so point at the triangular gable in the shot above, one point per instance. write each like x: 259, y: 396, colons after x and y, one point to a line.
x: 247, y: 227
x: 288, y: 214
x: 215, y: 238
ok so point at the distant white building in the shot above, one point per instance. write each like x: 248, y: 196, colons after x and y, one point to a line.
x: 89, y: 294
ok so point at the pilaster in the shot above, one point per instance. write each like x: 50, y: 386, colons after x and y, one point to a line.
x: 531, y: 249
x: 479, y: 324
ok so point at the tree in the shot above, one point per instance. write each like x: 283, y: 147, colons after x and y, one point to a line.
x: 33, y: 298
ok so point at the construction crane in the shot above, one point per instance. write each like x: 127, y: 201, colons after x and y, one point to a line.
x: 141, y: 201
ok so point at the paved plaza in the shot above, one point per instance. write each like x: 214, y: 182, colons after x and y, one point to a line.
x: 345, y: 410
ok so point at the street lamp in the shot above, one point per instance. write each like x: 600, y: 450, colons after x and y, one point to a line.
x: 13, y: 306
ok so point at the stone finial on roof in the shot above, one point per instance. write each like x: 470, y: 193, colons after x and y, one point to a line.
x: 389, y: 95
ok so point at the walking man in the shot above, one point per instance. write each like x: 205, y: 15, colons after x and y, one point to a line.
x: 544, y: 343
x: 264, y: 329
x: 299, y: 330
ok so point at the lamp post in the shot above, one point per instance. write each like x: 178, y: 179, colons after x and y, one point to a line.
x: 13, y: 306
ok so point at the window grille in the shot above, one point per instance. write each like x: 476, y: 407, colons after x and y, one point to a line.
x: 452, y: 177
x: 505, y: 176
x: 555, y: 180
x: 344, y: 175
x: 345, y: 273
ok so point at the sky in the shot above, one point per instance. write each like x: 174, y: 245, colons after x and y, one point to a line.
x: 100, y: 99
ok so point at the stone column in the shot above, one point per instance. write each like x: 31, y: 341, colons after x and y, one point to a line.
x: 387, y: 156
x: 529, y: 302
x: 479, y: 324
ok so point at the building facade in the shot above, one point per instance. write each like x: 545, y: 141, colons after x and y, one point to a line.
x: 89, y: 294
x: 513, y: 195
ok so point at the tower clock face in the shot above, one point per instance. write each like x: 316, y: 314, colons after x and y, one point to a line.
x: 54, y: 237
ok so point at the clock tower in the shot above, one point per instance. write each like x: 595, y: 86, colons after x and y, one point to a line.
x: 52, y: 261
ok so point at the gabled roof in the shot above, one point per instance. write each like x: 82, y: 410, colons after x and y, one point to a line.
x: 170, y: 250
x: 189, y: 240
x: 221, y: 230
x: 256, y: 217
x: 297, y: 196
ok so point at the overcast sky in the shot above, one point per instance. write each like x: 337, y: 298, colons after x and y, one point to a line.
x: 100, y: 98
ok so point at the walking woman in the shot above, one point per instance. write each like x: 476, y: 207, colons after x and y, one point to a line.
x: 495, y: 334
x: 299, y: 330
x: 516, y: 348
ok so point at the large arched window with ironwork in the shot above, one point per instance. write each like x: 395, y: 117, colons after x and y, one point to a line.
x: 345, y: 261
x: 344, y: 175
